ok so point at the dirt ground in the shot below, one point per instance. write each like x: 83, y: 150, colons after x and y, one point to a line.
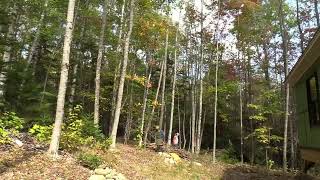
x: 134, y: 163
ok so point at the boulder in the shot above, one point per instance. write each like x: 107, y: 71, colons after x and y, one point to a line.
x: 175, y: 157
x: 197, y: 164
x: 97, y: 177
x: 103, y: 172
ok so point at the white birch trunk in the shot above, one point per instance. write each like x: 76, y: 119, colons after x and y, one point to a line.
x: 216, y: 90
x: 145, y: 98
x: 201, y: 85
x: 164, y: 80
x: 7, y: 53
x: 122, y: 78
x: 98, y: 69
x: 37, y: 35
x: 173, y: 88
x: 153, y: 107
x: 117, y: 71
x: 54, y: 145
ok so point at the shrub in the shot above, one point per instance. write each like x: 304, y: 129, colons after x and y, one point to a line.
x: 229, y: 155
x: 104, y: 144
x: 10, y: 123
x: 90, y: 161
x: 42, y: 133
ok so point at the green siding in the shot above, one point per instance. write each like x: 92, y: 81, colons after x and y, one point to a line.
x: 308, y: 137
x: 302, y: 113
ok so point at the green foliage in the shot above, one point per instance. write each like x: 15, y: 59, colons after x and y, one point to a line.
x: 78, y: 131
x: 10, y: 123
x: 90, y: 161
x: 42, y: 133
x: 228, y: 155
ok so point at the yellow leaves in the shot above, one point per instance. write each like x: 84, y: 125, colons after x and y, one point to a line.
x: 138, y: 79
x: 155, y: 103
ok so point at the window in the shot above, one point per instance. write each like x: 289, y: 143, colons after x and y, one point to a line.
x: 313, y: 100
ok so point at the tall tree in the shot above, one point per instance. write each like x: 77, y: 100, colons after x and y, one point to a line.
x: 286, y: 71
x: 122, y: 78
x: 99, y: 60
x: 8, y: 48
x: 54, y: 144
x: 164, y: 74
x: 201, y: 83
x: 173, y: 86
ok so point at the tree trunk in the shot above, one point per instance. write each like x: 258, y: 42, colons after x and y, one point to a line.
x: 241, y: 128
x: 179, y: 123
x: 202, y: 129
x: 299, y: 26
x: 117, y: 71
x: 215, y: 106
x: 201, y: 85
x: 164, y: 81
x: 145, y: 98
x: 98, y: 69
x: 193, y: 116
x: 7, y: 51
x: 153, y: 107
x: 285, y: 60
x: 37, y: 35
x: 75, y: 71
x: 173, y: 87
x: 216, y: 90
x: 54, y: 144
x: 122, y: 78
x: 129, y: 116
x: 316, y: 12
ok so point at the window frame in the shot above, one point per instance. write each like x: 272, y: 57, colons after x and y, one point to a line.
x: 313, y: 122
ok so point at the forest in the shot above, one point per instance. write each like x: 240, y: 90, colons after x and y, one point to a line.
x: 98, y: 79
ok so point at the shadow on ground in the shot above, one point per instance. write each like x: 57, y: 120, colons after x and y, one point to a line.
x: 250, y: 173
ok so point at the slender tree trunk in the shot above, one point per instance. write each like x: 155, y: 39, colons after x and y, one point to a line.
x: 7, y: 51
x: 54, y: 145
x: 316, y: 12
x: 75, y: 71
x: 45, y: 85
x: 285, y: 60
x: 122, y: 78
x: 216, y: 90
x: 173, y: 87
x: 99, y: 60
x: 190, y: 135
x: 193, y: 120
x: 153, y: 107
x: 145, y: 98
x: 179, y: 123
x: 201, y: 85
x: 129, y: 116
x: 215, y: 106
x: 164, y: 80
x: 117, y: 71
x: 184, y: 126
x: 299, y: 26
x: 292, y: 145
x: 241, y: 124
x: 37, y: 35
x: 202, y: 129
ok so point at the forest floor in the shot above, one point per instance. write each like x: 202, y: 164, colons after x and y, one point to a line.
x: 31, y: 162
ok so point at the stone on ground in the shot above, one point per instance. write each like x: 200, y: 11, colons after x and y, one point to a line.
x: 97, y: 177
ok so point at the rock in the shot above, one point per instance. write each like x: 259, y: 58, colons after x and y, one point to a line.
x: 18, y: 142
x: 97, y: 177
x: 175, y: 157
x: 197, y: 164
x: 103, y: 172
x: 121, y: 177
x: 169, y: 161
